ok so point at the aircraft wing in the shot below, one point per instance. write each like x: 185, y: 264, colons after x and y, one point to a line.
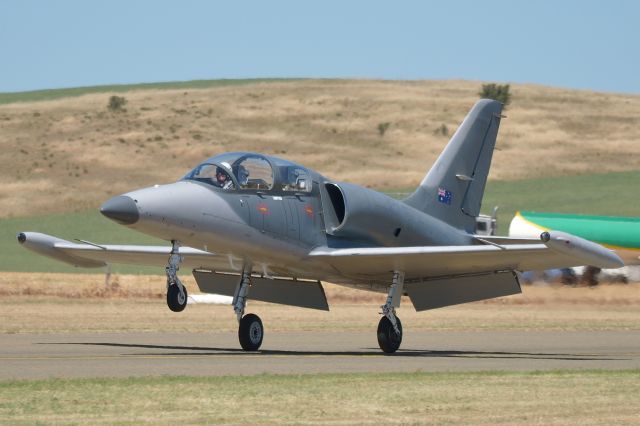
x: 559, y: 251
x: 443, y: 260
x: 89, y: 255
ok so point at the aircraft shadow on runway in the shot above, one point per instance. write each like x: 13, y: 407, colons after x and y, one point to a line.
x: 368, y: 352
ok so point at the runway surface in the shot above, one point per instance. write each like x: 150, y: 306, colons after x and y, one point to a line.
x: 31, y: 356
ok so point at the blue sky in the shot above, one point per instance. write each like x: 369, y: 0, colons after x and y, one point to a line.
x: 578, y: 44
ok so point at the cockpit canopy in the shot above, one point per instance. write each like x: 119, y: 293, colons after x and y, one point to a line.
x: 247, y: 171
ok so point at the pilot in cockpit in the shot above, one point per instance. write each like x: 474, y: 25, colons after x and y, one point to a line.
x: 222, y: 178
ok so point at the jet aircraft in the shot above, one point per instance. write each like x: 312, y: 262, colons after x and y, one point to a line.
x: 259, y: 227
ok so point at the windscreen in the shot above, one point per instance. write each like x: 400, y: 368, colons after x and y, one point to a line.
x: 217, y: 175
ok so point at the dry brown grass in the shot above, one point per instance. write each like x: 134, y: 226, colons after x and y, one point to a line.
x: 73, y: 153
x: 76, y: 286
x: 118, y: 286
x: 56, y: 302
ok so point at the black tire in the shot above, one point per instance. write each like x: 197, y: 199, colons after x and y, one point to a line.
x: 388, y: 339
x: 250, y: 332
x: 174, y: 301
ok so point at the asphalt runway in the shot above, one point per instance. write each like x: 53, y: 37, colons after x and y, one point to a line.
x: 31, y: 356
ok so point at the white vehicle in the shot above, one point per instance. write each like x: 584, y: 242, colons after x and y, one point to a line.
x: 487, y: 225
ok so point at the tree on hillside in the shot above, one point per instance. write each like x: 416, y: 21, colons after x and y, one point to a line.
x: 498, y: 92
x: 116, y: 103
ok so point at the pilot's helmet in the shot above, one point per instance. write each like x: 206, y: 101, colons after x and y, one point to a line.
x: 223, y: 168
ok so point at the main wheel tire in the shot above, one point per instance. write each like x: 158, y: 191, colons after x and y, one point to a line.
x: 176, y: 301
x: 388, y: 339
x: 250, y: 332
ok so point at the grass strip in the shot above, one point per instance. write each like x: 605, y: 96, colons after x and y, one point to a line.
x: 557, y: 397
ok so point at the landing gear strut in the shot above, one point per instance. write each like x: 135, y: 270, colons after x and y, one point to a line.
x: 390, y: 327
x: 250, y: 329
x: 176, y: 291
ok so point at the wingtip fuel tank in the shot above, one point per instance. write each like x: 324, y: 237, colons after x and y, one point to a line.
x: 592, y: 253
x: 49, y: 246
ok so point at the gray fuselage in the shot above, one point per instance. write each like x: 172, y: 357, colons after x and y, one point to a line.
x: 274, y: 229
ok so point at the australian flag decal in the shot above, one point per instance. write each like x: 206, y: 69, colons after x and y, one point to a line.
x: 444, y: 196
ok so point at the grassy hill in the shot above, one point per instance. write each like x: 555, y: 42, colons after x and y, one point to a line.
x: 65, y: 151
x: 52, y: 94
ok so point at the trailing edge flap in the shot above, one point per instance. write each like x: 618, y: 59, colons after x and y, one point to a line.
x: 305, y: 294
x: 436, y: 293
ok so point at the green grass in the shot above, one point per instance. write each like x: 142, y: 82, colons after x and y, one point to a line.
x: 614, y: 194
x: 556, y: 397
x: 51, y: 94
x: 611, y: 194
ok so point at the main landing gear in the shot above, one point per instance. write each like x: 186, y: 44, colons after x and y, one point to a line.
x: 390, y: 327
x: 250, y: 330
x: 176, y: 291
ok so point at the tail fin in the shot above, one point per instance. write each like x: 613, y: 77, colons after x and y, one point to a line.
x: 452, y: 190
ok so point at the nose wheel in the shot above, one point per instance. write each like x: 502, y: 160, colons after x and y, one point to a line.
x: 176, y: 291
x: 250, y: 332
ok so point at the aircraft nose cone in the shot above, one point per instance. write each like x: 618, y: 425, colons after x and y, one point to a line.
x: 122, y: 209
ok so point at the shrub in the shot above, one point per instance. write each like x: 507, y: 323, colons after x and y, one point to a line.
x: 498, y: 92
x: 382, y: 128
x: 116, y: 103
x: 442, y: 130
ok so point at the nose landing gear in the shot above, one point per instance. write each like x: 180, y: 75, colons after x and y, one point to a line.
x: 250, y: 329
x: 176, y: 300
x: 176, y: 291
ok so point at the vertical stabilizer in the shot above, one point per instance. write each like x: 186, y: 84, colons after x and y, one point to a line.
x: 452, y: 190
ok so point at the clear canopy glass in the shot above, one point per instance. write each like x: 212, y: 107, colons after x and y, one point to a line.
x: 250, y: 171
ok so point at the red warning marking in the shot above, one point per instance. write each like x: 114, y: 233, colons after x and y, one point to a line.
x: 308, y: 209
x: 263, y: 208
